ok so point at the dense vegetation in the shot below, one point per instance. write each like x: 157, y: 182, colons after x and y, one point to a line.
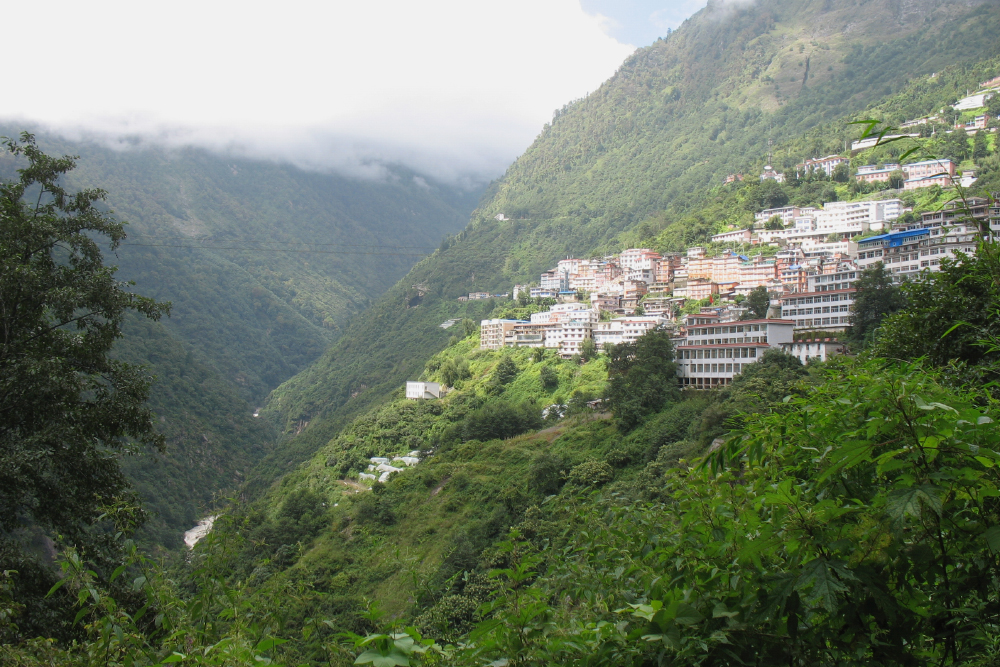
x: 221, y: 239
x: 636, y: 162
x: 832, y: 514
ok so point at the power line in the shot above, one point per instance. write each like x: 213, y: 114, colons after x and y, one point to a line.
x: 323, y: 252
x: 191, y: 239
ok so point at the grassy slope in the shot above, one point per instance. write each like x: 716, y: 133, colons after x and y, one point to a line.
x: 644, y: 143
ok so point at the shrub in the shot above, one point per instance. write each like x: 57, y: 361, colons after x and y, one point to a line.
x: 591, y: 473
x: 546, y: 473
x: 548, y: 378
x: 500, y: 420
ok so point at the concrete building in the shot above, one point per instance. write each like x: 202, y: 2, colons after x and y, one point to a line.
x: 493, y: 332
x: 624, y: 329
x: 825, y: 305
x: 423, y: 390
x: 871, y: 173
x: 739, y: 236
x: 638, y: 258
x: 543, y: 293
x: 711, y: 353
x: 825, y: 164
x: 819, y: 349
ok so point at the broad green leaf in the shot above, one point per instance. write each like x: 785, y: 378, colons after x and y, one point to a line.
x: 268, y: 643
x: 394, y: 658
x: 820, y: 578
x: 992, y: 536
x: 910, y: 502
x: 175, y: 657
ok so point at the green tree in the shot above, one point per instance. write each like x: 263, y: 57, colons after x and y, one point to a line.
x: 588, y: 349
x: 548, y: 378
x: 757, y: 304
x: 841, y: 173
x: 944, y: 316
x: 774, y: 222
x: 68, y: 410
x: 642, y: 378
x: 896, y: 179
x: 876, y: 298
x: 505, y: 372
x: 979, y: 148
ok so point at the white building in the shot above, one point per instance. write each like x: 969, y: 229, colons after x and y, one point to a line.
x: 711, y: 353
x: 493, y: 332
x: 825, y: 164
x: 624, y: 329
x: 639, y: 258
x: 976, y: 101
x: 421, y: 390
x: 825, y: 305
x: 818, y: 349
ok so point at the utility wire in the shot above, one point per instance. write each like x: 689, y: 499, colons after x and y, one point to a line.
x: 325, y: 252
x: 191, y: 239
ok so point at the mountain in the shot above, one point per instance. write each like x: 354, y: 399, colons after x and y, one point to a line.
x: 637, y: 159
x: 264, y: 265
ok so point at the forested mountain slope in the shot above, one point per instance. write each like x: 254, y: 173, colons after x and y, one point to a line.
x: 230, y: 236
x: 222, y: 239
x: 639, y: 155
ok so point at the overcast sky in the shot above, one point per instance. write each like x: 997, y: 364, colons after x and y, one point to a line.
x: 452, y: 87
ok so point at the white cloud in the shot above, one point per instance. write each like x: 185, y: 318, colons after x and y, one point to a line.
x: 445, y: 84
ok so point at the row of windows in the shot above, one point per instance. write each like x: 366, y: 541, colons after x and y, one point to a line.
x: 817, y: 299
x: 715, y: 368
x: 835, y: 278
x: 702, y: 383
x: 710, y: 331
x: 720, y: 353
x: 817, y: 311
x: 819, y: 322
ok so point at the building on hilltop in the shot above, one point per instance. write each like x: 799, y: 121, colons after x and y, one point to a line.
x: 825, y: 164
x: 771, y: 174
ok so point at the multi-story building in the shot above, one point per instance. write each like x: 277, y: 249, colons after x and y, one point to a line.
x: 624, y: 329
x: 850, y: 218
x: 921, y: 246
x: 568, y: 335
x: 739, y: 236
x: 871, y: 173
x: 492, y: 333
x: 825, y: 164
x: 825, y: 305
x: 554, y: 280
x: 527, y: 334
x: 605, y: 302
x: 929, y: 168
x: 941, y: 180
x: 786, y: 214
x: 543, y: 293
x: 638, y: 258
x: 710, y: 353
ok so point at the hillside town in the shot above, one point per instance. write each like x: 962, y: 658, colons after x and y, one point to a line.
x: 806, y: 259
x: 809, y: 280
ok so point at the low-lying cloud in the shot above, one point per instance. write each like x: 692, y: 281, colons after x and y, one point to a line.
x: 451, y: 88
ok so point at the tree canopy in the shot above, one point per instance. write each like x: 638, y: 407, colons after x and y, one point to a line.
x: 67, y: 409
